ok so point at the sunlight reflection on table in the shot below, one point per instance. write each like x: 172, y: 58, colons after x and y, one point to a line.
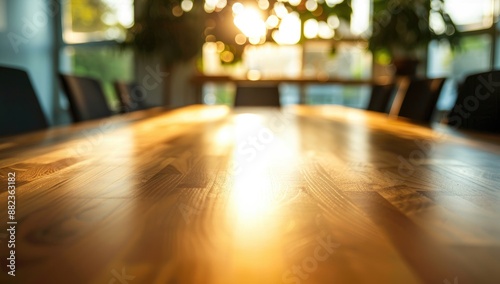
x: 264, y: 159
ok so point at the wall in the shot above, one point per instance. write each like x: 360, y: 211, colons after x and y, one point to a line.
x: 27, y: 42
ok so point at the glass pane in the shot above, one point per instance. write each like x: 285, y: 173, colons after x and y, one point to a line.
x: 107, y: 64
x: 214, y: 94
x: 473, y: 57
x: 360, y: 19
x: 96, y: 20
x: 351, y: 96
x: 497, y: 53
x: 224, y: 93
x: 273, y: 61
x: 470, y: 15
x: 3, y: 15
x: 345, y: 60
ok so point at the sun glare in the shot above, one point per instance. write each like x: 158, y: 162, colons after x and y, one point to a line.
x: 250, y: 22
x: 311, y: 28
x: 251, y: 185
x: 289, y: 30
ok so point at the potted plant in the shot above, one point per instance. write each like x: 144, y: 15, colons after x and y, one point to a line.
x: 175, y: 30
x: 402, y: 30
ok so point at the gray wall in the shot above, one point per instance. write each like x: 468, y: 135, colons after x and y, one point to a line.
x: 27, y: 41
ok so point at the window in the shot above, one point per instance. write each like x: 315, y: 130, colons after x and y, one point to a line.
x: 96, y: 20
x: 3, y: 16
x: 471, y: 15
x: 474, y: 56
x: 477, y: 52
x: 311, y: 59
x: 105, y: 63
x: 91, y: 32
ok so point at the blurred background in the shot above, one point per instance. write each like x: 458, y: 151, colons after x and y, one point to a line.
x: 163, y: 44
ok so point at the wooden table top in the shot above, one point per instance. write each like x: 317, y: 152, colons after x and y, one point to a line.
x: 212, y: 195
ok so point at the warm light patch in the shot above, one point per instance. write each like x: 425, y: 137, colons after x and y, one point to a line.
x: 333, y: 21
x: 280, y: 10
x: 251, y: 194
x: 220, y: 46
x: 272, y: 22
x: 238, y: 8
x: 240, y: 39
x: 177, y: 11
x: 289, y: 30
x: 208, y: 8
x: 253, y: 75
x: 311, y: 28
x: 360, y: 18
x: 227, y: 56
x: 311, y: 5
x: 263, y: 4
x: 250, y: 22
x: 332, y: 3
x: 221, y: 4
x: 324, y: 31
x: 187, y: 5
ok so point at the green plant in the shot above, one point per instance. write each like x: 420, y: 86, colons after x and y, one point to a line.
x: 167, y: 28
x: 402, y: 28
x: 159, y: 30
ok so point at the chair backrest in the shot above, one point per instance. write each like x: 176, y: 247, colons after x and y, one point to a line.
x: 20, y: 110
x: 380, y: 97
x: 420, y: 99
x: 257, y: 96
x: 131, y: 95
x: 86, y: 98
x: 478, y: 103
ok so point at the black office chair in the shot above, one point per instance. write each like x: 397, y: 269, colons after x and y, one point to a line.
x: 420, y: 99
x: 20, y: 110
x: 478, y: 103
x: 86, y: 98
x: 257, y: 96
x: 380, y: 97
x: 131, y: 96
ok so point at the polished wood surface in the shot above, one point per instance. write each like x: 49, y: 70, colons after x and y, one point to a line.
x: 300, y: 194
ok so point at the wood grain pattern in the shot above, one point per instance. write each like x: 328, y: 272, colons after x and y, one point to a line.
x: 206, y: 194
